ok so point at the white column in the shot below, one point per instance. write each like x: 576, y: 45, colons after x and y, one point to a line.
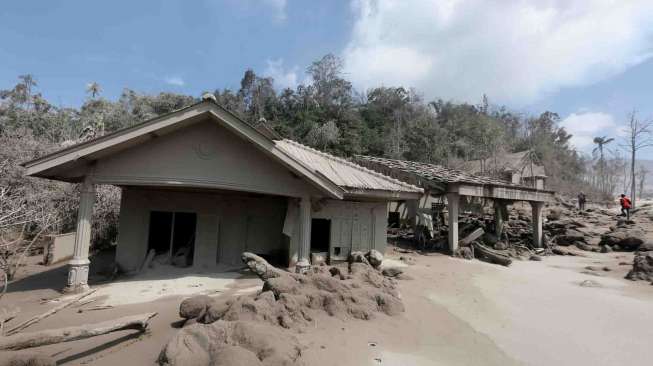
x: 453, y: 201
x: 78, y: 266
x: 536, y: 207
x: 304, y: 234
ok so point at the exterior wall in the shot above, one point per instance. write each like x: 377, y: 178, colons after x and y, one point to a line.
x: 354, y: 225
x: 227, y: 225
x: 202, y: 155
x: 61, y: 248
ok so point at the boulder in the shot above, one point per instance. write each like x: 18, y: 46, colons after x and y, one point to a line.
x: 375, y: 258
x: 606, y: 249
x: 570, y: 237
x: 625, y: 237
x: 554, y: 214
x: 536, y: 258
x: 646, y: 247
x: 392, y: 271
x: 642, y: 267
x: 194, y: 307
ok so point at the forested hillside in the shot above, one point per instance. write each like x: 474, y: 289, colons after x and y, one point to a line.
x: 326, y: 113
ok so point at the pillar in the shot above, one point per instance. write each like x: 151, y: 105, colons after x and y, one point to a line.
x: 78, y: 266
x: 453, y: 201
x: 499, y: 215
x: 536, y: 207
x: 304, y: 235
x: 411, y: 212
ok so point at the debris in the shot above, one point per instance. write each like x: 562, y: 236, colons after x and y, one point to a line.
x: 52, y: 311
x: 630, y: 238
x: 491, y: 255
x: 52, y: 336
x: 471, y: 237
x: 93, y: 308
x: 465, y: 253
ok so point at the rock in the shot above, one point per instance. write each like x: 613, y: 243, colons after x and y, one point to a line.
x: 554, y: 214
x: 357, y: 257
x: 571, y: 236
x: 194, y: 307
x: 590, y: 283
x: 626, y: 237
x: 500, y: 245
x: 606, y: 249
x: 646, y: 247
x: 535, y: 258
x: 642, y: 267
x: 231, y: 343
x: 375, y: 258
x: 585, y: 247
x: 465, y: 253
x: 392, y: 272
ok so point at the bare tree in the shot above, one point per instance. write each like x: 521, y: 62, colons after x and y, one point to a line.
x: 638, y: 136
x: 601, y: 142
x: 641, y: 178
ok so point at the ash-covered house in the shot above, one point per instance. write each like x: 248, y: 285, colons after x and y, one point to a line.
x: 202, y: 184
x: 516, y: 168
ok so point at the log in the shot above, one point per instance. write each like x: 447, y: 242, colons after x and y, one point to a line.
x: 471, y: 237
x: 494, y: 257
x: 52, y: 311
x: 52, y: 336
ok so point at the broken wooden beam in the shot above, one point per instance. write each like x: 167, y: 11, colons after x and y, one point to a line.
x: 48, y: 313
x: 494, y: 257
x: 52, y: 336
x: 471, y: 237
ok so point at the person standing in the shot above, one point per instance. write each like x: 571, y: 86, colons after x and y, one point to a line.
x: 625, y: 206
x: 581, y: 201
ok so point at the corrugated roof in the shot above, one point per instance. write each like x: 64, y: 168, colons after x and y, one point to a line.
x: 432, y: 172
x: 517, y: 162
x: 343, y: 172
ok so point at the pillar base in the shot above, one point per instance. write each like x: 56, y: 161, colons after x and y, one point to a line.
x: 77, y: 276
x: 302, y: 266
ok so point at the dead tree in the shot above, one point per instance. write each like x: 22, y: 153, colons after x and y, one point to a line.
x: 638, y: 136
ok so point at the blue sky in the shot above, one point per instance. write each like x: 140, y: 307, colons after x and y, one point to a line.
x: 590, y: 61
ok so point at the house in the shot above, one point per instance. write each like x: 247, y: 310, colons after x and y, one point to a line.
x: 454, y: 187
x: 513, y: 167
x: 201, y: 186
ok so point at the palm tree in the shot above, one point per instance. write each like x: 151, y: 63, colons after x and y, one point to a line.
x: 601, y: 142
x: 94, y: 89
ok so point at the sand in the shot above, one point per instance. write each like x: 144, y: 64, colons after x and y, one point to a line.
x: 458, y: 312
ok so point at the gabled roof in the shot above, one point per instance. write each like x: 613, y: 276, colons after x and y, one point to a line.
x: 346, y: 174
x: 434, y: 173
x: 54, y: 165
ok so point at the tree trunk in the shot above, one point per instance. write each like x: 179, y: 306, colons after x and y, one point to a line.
x: 52, y: 336
x: 633, y: 183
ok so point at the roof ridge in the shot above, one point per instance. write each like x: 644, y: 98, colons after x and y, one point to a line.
x: 351, y: 164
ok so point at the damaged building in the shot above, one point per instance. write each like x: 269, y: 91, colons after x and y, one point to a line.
x: 201, y: 186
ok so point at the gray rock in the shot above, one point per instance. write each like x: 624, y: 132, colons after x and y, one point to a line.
x: 392, y: 271
x: 375, y: 258
x: 194, y: 307
x: 536, y: 258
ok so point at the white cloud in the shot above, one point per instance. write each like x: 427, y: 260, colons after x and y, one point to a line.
x: 514, y: 51
x: 585, y: 126
x: 279, y: 9
x: 282, y: 78
x: 174, y: 80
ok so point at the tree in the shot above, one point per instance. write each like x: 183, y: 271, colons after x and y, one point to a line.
x: 638, y: 136
x: 93, y: 89
x: 641, y: 178
x: 601, y: 142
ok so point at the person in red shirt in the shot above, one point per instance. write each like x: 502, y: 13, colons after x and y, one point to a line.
x: 625, y: 206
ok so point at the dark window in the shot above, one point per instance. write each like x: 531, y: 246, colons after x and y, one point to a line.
x: 320, y: 235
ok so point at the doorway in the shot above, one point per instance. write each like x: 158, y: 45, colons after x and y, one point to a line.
x: 173, y: 234
x: 320, y: 235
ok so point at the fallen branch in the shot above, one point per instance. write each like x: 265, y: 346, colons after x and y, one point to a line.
x: 471, y: 237
x: 99, y: 307
x: 52, y: 336
x: 490, y: 254
x: 52, y: 311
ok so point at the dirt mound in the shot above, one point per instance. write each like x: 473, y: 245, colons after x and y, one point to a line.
x: 232, y: 343
x: 642, y: 267
x: 287, y: 300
